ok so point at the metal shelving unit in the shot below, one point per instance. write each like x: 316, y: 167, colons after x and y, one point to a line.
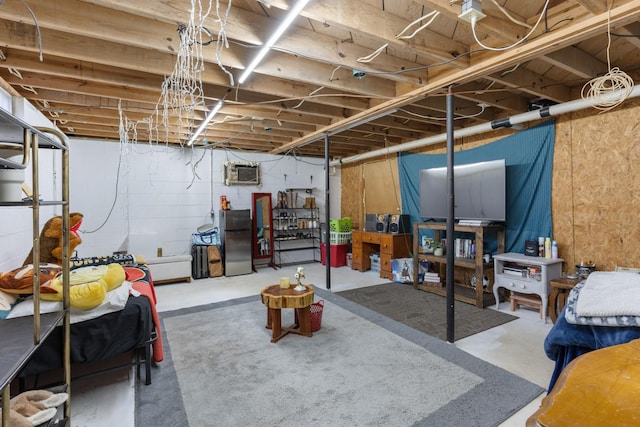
x: 22, y: 336
x: 296, y: 229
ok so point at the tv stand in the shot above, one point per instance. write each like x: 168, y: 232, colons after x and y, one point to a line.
x: 463, y: 292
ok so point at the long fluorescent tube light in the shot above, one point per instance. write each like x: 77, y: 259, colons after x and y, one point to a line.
x: 204, y: 123
x: 273, y: 39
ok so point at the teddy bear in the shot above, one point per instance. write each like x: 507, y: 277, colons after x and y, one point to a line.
x: 34, y: 407
x: 51, y: 239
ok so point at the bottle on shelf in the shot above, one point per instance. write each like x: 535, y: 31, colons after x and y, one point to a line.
x: 541, y: 247
x: 547, y: 247
x: 554, y: 250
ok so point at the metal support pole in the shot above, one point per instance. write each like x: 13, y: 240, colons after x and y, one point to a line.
x: 450, y: 221
x: 327, y: 243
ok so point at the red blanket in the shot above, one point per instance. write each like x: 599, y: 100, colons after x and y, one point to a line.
x: 140, y: 278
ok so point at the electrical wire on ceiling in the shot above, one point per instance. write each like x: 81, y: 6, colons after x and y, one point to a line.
x: 373, y: 55
x: 613, y: 81
x: 401, y: 35
x: 508, y: 15
x: 15, y: 72
x: 522, y: 40
x: 433, y: 15
x: 37, y: 24
x: 310, y: 94
x: 470, y: 116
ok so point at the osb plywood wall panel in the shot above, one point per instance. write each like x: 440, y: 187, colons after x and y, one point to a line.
x: 605, y: 186
x: 562, y: 194
x: 351, y: 195
x: 370, y: 187
x: 381, y: 187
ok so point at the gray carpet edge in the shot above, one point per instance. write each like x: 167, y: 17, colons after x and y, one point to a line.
x: 498, y: 385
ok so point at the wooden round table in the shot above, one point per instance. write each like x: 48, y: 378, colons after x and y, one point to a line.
x: 277, y: 298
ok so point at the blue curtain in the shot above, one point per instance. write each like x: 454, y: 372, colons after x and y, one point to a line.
x: 529, y: 159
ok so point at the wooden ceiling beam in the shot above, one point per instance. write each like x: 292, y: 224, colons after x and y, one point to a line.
x: 254, y: 29
x: 550, y: 42
x: 372, y: 22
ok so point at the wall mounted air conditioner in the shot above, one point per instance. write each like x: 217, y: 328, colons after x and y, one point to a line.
x: 241, y: 173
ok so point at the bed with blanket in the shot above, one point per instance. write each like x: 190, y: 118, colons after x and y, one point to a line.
x: 126, y: 322
x: 601, y: 311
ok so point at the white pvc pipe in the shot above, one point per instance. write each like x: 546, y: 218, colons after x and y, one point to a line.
x: 554, y: 110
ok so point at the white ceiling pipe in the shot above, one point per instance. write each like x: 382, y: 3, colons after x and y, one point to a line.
x: 553, y: 110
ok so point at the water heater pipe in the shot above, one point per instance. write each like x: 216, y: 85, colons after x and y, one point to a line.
x: 553, y: 110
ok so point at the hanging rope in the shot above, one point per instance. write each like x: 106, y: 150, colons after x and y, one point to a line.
x: 613, y: 81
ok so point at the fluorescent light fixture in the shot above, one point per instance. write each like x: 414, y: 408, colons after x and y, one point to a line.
x: 204, y: 123
x: 273, y: 39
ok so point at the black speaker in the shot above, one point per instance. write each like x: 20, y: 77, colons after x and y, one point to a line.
x: 531, y: 247
x: 370, y: 221
x: 382, y: 223
x: 399, y: 224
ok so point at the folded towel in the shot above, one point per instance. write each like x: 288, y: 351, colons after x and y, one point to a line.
x: 610, y: 293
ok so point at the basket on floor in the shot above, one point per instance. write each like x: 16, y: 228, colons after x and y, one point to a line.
x: 316, y: 315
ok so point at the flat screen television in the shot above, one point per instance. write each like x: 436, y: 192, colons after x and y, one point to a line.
x: 479, y: 192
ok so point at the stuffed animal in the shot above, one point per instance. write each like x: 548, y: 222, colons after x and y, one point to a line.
x: 88, y: 285
x: 51, y: 239
x: 34, y: 407
x: 20, y: 280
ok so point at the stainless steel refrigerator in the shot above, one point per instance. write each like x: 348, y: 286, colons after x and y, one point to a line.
x: 235, y: 237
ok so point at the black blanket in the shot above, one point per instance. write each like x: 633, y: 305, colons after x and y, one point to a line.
x: 96, y: 339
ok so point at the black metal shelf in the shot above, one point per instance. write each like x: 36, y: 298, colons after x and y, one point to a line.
x: 29, y: 203
x: 22, y: 336
x: 18, y: 346
x: 283, y: 243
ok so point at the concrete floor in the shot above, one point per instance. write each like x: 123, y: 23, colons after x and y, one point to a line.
x: 517, y: 346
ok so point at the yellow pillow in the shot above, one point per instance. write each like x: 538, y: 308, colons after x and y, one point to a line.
x: 87, y: 296
x: 114, y: 276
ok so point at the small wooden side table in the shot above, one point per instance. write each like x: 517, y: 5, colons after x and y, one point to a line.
x: 560, y: 287
x: 277, y: 298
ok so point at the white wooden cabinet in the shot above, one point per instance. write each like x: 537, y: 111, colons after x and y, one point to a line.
x: 525, y: 274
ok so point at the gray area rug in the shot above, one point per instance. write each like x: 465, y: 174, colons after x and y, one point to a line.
x: 360, y: 369
x: 425, y: 311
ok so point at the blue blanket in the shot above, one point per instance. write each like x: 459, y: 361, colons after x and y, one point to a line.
x: 567, y: 341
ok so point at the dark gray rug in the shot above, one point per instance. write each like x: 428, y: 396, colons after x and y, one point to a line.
x: 425, y: 311
x: 359, y: 369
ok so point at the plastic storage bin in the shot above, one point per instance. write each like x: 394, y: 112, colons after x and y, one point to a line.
x: 339, y: 238
x: 340, y: 225
x: 338, y: 255
x: 375, y: 262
